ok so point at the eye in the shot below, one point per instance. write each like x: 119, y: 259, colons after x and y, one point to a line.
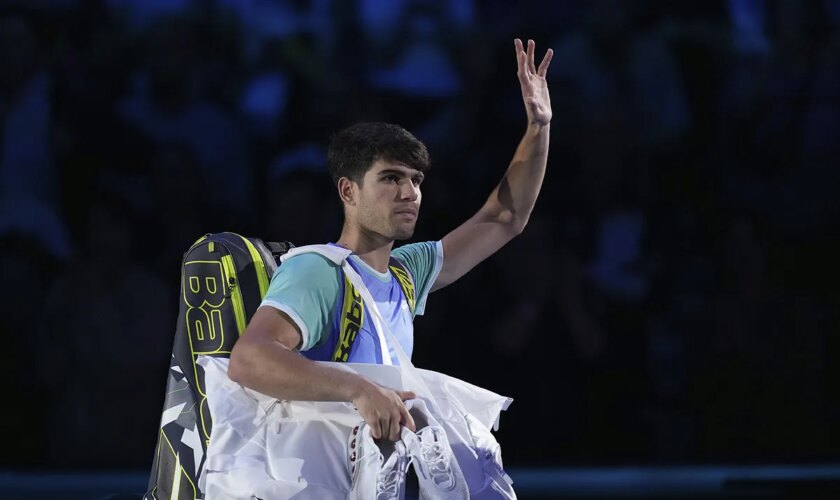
x: 417, y: 180
x: 391, y: 178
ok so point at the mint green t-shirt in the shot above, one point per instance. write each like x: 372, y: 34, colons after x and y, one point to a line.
x: 307, y: 288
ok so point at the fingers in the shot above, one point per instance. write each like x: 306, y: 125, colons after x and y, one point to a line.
x: 387, y: 425
x: 407, y: 420
x: 384, y: 410
x: 406, y: 395
x: 545, y: 62
x: 520, y: 57
x: 394, y: 431
x: 383, y: 427
x: 531, y: 50
x: 405, y: 416
x: 525, y: 58
x: 375, y: 430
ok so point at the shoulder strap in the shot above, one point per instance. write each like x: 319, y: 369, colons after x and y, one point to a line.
x: 352, y: 306
x: 411, y: 375
x: 405, y: 280
x: 352, y: 302
x: 350, y: 322
x: 335, y: 254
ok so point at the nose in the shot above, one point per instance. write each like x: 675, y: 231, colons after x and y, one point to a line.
x: 408, y: 191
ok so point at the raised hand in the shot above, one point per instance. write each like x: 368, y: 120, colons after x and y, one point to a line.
x: 532, y: 81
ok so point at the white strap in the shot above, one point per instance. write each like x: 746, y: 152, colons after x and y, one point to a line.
x: 379, y: 324
x: 335, y: 254
x: 414, y: 379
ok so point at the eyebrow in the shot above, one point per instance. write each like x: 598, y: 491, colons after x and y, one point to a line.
x: 400, y: 173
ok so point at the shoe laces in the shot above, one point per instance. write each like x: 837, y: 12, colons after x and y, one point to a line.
x: 388, y: 485
x: 435, y: 455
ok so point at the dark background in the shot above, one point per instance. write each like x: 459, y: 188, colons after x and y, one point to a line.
x: 673, y: 301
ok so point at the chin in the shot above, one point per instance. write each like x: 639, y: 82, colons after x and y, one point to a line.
x: 404, y: 234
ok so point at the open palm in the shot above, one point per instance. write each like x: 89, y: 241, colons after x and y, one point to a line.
x: 532, y: 81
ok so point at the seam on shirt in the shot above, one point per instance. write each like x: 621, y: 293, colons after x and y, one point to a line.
x: 430, y: 283
x: 438, y: 266
x: 294, y: 316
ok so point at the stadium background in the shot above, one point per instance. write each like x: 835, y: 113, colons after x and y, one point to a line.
x: 671, y: 306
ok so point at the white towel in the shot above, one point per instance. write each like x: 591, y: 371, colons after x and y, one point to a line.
x: 265, y: 448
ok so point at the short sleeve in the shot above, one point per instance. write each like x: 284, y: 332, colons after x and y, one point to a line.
x: 423, y: 261
x: 306, y: 288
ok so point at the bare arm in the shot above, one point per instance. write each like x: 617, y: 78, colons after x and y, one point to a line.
x: 264, y: 360
x: 509, y: 206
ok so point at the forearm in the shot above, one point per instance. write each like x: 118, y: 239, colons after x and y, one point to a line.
x: 514, y: 198
x: 271, y: 368
x: 509, y: 206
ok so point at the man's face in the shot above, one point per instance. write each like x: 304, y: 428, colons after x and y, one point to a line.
x: 389, y: 200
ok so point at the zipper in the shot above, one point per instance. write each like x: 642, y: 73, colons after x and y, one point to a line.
x: 199, y: 241
x: 235, y: 292
x: 262, y: 273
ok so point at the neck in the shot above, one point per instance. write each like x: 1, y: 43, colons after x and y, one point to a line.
x: 372, y: 248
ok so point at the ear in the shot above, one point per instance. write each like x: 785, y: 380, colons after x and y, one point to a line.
x: 347, y: 191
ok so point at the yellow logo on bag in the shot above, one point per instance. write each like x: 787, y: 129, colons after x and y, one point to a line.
x: 352, y: 317
x: 405, y: 283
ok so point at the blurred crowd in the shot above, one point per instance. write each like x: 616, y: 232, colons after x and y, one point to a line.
x: 672, y: 300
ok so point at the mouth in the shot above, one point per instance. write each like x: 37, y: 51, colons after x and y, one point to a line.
x: 407, y: 212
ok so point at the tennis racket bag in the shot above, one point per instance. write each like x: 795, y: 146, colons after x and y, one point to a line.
x: 224, y: 277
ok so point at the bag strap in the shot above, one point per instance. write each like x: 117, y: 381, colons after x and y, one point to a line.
x: 405, y: 280
x: 410, y: 373
x: 279, y: 248
x: 335, y: 254
x: 350, y: 322
x: 340, y: 256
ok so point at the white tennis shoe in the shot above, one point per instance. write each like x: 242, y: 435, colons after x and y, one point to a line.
x: 377, y: 471
x: 438, y: 473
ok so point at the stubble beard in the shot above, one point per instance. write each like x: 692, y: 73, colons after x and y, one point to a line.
x: 396, y: 232
x: 403, y: 234
x: 385, y: 226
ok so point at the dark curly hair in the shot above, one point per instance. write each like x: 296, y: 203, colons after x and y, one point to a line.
x: 355, y: 149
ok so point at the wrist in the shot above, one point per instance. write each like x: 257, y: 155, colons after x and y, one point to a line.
x: 358, y: 387
x: 536, y: 128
